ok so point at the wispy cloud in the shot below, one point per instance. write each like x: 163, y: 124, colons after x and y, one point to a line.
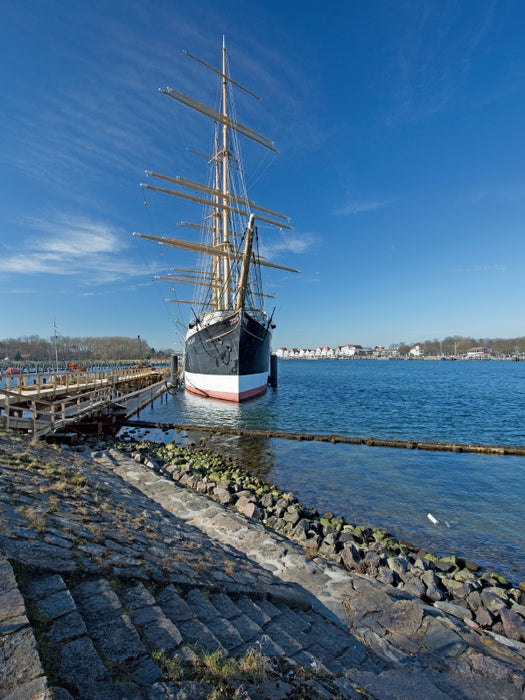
x: 500, y: 193
x: 493, y: 267
x: 432, y: 59
x: 359, y: 206
x: 72, y: 246
x: 298, y: 244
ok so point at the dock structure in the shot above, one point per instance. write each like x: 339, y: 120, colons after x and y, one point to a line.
x: 41, y: 404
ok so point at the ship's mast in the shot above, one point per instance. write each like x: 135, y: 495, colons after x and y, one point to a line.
x: 247, y: 255
x: 225, y: 176
x: 224, y: 201
x: 216, y: 241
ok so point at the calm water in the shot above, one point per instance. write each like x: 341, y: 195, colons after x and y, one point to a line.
x: 477, y: 499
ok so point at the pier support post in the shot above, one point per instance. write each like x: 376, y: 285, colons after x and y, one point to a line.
x: 174, y: 369
x: 272, y: 379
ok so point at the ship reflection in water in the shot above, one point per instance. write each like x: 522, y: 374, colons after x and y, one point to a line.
x: 252, y: 453
x: 255, y: 454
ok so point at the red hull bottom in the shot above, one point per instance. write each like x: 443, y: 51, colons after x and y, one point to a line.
x: 228, y: 395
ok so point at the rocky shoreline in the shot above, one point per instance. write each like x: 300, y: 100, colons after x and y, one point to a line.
x: 483, y: 600
x: 140, y: 570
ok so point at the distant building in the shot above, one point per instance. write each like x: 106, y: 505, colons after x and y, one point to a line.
x: 349, y: 350
x: 327, y: 353
x: 416, y: 351
x: 324, y: 353
x: 478, y: 353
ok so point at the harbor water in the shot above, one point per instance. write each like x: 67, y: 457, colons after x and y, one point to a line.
x: 477, y: 500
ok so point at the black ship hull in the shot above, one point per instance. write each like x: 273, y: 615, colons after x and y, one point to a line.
x: 228, y: 357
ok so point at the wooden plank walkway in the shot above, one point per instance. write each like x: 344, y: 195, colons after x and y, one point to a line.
x: 43, y: 403
x: 45, y: 386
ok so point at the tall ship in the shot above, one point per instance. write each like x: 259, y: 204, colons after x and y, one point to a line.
x: 228, y: 339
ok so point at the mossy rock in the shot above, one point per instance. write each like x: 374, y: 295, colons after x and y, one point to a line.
x: 455, y: 560
x: 337, y: 523
x: 429, y: 556
x: 379, y: 534
x: 360, y: 531
x: 464, y: 575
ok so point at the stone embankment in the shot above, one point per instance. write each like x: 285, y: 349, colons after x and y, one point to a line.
x: 119, y: 581
x: 483, y: 600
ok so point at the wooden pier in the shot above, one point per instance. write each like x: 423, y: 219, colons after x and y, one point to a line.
x: 41, y: 404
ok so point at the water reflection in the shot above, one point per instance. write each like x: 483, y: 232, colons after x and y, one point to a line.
x: 259, y: 414
x: 196, y: 410
x: 252, y: 453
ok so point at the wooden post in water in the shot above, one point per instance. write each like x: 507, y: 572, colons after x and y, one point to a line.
x: 272, y: 379
x: 174, y: 369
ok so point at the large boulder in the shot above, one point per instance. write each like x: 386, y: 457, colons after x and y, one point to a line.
x: 513, y: 624
x: 351, y: 557
x: 248, y: 508
x: 222, y: 495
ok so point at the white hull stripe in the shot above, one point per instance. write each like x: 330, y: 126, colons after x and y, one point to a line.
x: 230, y: 388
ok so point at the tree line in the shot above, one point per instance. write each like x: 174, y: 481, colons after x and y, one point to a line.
x: 69, y: 349
x: 72, y: 349
x: 458, y: 345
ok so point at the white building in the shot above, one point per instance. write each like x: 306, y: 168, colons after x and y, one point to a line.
x: 478, y: 353
x: 349, y: 350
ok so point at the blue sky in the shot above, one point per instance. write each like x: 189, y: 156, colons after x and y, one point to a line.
x: 401, y: 130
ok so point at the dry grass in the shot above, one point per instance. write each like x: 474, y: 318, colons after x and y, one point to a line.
x: 224, y: 673
x: 254, y: 665
x: 229, y: 568
x: 36, y: 519
x: 171, y: 667
x: 219, y: 669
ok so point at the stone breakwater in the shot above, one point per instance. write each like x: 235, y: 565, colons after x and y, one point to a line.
x: 117, y: 581
x: 482, y: 600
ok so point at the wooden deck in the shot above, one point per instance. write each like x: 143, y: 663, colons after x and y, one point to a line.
x: 43, y: 403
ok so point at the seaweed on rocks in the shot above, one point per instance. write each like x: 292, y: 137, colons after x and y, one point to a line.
x: 484, y: 600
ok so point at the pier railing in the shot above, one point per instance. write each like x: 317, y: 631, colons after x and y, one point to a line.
x: 64, y: 382
x: 43, y: 403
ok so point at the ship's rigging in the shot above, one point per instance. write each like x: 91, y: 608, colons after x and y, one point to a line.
x: 227, y: 207
x: 229, y: 300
